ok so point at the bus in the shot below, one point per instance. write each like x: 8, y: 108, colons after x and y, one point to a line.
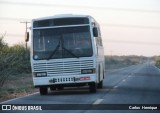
x: 66, y: 51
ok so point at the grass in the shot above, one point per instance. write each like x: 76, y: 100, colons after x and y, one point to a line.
x: 17, y: 86
x: 157, y: 61
x: 116, y: 62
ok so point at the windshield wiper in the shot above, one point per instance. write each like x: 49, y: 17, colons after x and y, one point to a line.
x: 63, y: 48
x: 55, y: 50
x: 70, y: 52
x: 61, y: 43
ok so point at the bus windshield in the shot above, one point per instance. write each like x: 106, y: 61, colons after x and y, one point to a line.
x: 62, y: 42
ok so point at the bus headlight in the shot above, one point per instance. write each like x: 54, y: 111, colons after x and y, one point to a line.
x: 39, y: 74
x: 88, y: 71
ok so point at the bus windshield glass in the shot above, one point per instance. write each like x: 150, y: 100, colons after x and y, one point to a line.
x: 62, y: 42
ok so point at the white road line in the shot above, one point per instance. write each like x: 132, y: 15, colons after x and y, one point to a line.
x: 115, y: 87
x: 124, y: 80
x: 18, y: 98
x: 98, y: 101
x: 156, y: 68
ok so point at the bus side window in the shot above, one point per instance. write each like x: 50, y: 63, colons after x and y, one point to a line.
x: 98, y: 38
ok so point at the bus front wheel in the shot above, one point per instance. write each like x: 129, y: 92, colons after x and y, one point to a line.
x: 93, y: 87
x: 60, y: 87
x: 43, y: 90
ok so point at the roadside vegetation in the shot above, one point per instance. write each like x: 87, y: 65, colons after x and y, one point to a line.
x: 115, y: 62
x: 157, y: 61
x: 15, y: 71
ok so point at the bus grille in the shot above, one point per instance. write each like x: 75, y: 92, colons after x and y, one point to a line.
x: 63, y: 68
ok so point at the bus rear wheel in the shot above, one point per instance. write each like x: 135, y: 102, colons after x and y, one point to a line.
x: 43, y: 90
x: 93, y: 87
x: 100, y: 85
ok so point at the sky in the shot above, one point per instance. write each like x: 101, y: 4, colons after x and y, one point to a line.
x: 128, y: 27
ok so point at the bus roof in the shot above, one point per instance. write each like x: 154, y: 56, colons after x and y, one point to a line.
x: 61, y: 16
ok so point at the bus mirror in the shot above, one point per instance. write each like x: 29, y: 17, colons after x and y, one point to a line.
x: 95, y: 32
x: 27, y: 36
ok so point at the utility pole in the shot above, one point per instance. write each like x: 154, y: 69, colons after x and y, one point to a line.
x: 25, y: 22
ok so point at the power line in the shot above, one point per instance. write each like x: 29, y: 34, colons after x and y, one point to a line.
x: 134, y: 42
x: 101, y: 24
x: 14, y: 35
x: 88, y: 7
x: 76, y: 6
x: 129, y: 26
x: 26, y: 22
x: 13, y: 19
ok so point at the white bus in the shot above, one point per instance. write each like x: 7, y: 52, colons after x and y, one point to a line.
x: 66, y: 51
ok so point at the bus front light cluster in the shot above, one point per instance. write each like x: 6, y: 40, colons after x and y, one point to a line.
x: 88, y: 71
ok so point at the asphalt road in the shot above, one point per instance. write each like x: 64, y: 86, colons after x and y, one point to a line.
x: 137, y: 84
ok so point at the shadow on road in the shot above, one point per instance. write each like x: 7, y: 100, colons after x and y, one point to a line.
x: 71, y: 91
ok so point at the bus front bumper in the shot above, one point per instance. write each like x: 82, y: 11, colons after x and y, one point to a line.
x: 59, y: 80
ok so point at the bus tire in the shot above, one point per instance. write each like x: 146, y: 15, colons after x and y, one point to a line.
x: 93, y: 87
x: 60, y: 87
x: 100, y: 85
x: 43, y: 90
x: 52, y: 88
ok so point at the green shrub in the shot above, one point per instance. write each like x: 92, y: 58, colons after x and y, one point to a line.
x: 12, y: 61
x: 157, y: 61
x: 113, y: 62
